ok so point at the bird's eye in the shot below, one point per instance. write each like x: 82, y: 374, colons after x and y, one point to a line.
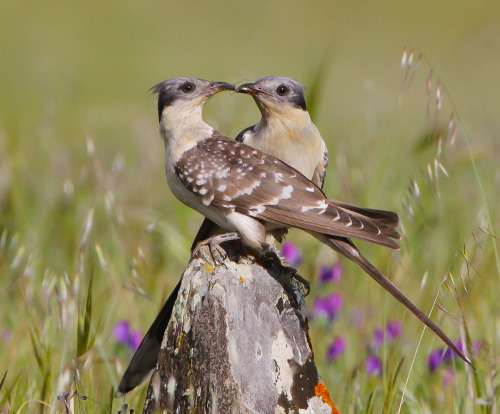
x: 187, y: 87
x: 282, y: 90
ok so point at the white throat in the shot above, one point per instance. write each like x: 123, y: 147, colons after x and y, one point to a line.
x: 181, y: 127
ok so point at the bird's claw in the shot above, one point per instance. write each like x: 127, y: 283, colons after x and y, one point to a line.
x: 216, y: 251
x: 281, y: 262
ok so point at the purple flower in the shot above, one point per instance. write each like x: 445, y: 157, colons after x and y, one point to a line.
x: 291, y: 253
x: 441, y: 356
x: 391, y: 333
x: 336, y: 348
x: 393, y: 330
x: 123, y: 334
x: 121, y: 331
x: 330, y: 274
x: 435, y: 359
x: 328, y: 306
x: 373, y: 365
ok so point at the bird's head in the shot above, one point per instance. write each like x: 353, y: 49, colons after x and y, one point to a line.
x: 275, y: 94
x: 187, y: 93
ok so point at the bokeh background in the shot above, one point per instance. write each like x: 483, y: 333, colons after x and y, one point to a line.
x: 83, y: 196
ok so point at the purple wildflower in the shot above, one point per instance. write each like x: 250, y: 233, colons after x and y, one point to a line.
x: 435, y: 359
x: 121, y: 331
x: 391, y: 333
x: 441, y: 356
x: 290, y: 252
x: 330, y: 274
x: 124, y: 335
x: 328, y: 306
x: 373, y: 365
x: 336, y: 348
x: 393, y: 330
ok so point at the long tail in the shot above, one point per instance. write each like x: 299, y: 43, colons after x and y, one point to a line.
x: 389, y: 218
x: 347, y: 248
x: 146, y: 356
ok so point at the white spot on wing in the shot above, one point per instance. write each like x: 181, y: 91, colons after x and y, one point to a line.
x: 249, y: 190
x: 287, y: 192
x: 255, y: 211
x: 207, y: 201
x: 321, y: 205
x: 274, y: 201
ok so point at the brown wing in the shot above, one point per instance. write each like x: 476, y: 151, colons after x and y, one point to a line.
x: 235, y: 177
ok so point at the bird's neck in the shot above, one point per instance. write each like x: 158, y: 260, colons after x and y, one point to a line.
x: 283, y: 118
x: 181, y: 127
x: 290, y: 123
x: 293, y: 139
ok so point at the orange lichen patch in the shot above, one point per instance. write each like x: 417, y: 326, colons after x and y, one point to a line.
x: 321, y: 391
x: 242, y: 280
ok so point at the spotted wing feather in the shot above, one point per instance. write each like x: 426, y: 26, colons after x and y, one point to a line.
x: 235, y: 177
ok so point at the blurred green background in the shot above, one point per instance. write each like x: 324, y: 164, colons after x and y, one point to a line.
x: 82, y: 188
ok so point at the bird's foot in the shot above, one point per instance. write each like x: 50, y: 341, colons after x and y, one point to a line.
x: 216, y: 251
x: 281, y: 263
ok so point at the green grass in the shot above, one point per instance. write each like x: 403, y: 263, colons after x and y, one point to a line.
x: 90, y: 234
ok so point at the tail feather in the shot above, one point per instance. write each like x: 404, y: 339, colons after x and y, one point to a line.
x: 347, y: 248
x: 389, y: 218
x: 146, y: 356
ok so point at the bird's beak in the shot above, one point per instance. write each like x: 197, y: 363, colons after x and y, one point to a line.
x: 251, y: 89
x: 248, y: 88
x: 216, y: 87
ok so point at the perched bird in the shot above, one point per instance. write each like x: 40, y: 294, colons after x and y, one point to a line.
x: 146, y: 355
x: 251, y: 193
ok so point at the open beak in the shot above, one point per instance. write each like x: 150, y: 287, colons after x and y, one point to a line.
x: 216, y: 87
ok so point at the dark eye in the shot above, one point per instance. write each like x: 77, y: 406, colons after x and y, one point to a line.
x: 187, y: 87
x: 282, y: 90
